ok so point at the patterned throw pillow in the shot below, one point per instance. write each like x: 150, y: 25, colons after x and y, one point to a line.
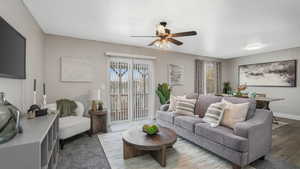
x: 234, y: 113
x: 214, y: 114
x: 185, y: 107
x: 173, y: 101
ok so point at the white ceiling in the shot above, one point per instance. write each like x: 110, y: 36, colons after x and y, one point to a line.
x: 224, y: 27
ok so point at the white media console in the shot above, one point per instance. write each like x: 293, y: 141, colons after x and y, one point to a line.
x: 36, y: 148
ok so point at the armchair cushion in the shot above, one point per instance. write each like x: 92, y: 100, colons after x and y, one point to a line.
x: 72, y: 125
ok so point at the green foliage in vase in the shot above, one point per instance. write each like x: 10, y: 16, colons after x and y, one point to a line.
x: 227, y: 88
x: 163, y: 91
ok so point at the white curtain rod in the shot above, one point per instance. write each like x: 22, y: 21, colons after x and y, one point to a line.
x: 129, y: 55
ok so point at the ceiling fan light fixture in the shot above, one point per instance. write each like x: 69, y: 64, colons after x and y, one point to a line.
x: 162, y: 44
x: 165, y: 37
x: 160, y: 29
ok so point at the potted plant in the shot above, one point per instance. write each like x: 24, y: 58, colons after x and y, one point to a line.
x: 163, y: 91
x: 227, y: 89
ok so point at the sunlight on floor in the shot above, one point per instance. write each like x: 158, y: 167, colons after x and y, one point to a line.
x: 126, y: 125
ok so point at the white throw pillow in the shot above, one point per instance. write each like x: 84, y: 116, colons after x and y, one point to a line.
x: 234, y: 113
x: 173, y: 100
x: 185, y: 106
x: 214, y: 114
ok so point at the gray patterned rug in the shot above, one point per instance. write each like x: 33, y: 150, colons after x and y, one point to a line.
x: 183, y: 155
x: 83, y: 152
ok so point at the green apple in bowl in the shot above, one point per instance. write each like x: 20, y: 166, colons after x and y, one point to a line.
x: 150, y: 129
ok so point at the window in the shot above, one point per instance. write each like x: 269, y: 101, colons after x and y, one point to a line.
x: 210, y: 77
x: 207, y: 77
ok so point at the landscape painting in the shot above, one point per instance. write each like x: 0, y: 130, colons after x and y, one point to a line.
x: 276, y: 74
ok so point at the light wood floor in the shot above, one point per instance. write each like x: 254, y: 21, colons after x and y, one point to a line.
x: 286, y: 142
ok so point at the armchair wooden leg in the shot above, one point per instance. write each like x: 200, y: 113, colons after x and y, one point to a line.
x: 61, y: 143
x: 89, y: 133
x: 234, y: 166
x: 262, y: 158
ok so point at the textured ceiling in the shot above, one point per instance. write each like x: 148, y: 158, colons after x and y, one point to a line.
x: 225, y: 27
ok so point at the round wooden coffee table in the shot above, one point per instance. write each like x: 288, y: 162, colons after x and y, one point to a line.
x: 136, y: 143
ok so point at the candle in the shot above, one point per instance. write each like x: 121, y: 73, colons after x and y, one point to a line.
x: 44, y: 88
x: 34, y: 85
x: 99, y: 94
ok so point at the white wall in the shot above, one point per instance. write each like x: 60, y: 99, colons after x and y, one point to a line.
x: 58, y: 46
x: 19, y: 92
x: 289, y: 107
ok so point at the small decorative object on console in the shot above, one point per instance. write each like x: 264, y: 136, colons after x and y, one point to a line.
x: 35, y: 111
x: 150, y: 129
x: 9, y: 120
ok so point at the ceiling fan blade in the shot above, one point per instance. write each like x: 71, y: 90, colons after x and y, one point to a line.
x: 152, y: 43
x: 190, y: 33
x: 144, y: 36
x: 176, y: 42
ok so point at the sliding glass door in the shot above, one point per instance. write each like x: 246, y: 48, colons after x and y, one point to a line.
x: 131, y: 93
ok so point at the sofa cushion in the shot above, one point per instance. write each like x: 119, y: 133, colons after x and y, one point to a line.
x: 187, y: 122
x: 185, y: 107
x: 203, y: 102
x: 222, y: 135
x: 234, y: 113
x: 192, y: 96
x: 214, y: 114
x: 166, y: 116
x: 72, y: 125
x: 173, y: 102
x: 237, y: 100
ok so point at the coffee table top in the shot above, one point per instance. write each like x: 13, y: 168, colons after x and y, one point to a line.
x: 138, y: 138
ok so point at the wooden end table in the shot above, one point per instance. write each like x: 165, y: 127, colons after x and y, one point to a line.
x: 98, y: 121
x: 136, y: 143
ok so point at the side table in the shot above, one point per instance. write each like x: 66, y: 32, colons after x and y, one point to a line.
x: 98, y: 121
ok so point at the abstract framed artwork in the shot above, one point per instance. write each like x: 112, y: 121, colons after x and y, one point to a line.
x: 176, y: 73
x: 271, y: 74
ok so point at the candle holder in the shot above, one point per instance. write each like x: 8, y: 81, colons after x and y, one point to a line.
x: 44, y: 101
x: 34, y: 97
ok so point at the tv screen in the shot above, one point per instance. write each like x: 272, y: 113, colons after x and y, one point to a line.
x: 12, y: 52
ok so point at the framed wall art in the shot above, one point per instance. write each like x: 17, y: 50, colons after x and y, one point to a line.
x: 271, y: 74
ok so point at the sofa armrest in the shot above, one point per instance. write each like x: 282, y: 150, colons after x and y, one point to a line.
x: 164, y: 107
x: 258, y: 130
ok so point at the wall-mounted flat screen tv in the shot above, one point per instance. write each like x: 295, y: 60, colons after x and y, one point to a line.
x: 12, y: 52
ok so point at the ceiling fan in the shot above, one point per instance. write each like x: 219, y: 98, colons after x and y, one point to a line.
x: 164, y: 36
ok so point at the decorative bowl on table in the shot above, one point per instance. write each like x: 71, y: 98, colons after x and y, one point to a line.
x: 150, y: 129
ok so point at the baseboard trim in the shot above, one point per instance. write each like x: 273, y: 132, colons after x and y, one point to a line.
x: 287, y: 116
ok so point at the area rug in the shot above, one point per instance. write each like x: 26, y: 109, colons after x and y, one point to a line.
x: 184, y: 155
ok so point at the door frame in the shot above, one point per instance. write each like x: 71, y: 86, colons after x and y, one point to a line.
x: 131, y: 61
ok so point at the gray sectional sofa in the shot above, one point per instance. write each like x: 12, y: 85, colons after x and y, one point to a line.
x: 247, y: 142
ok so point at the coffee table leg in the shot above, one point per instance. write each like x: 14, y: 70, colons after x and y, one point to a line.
x: 160, y: 156
x: 130, y: 151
